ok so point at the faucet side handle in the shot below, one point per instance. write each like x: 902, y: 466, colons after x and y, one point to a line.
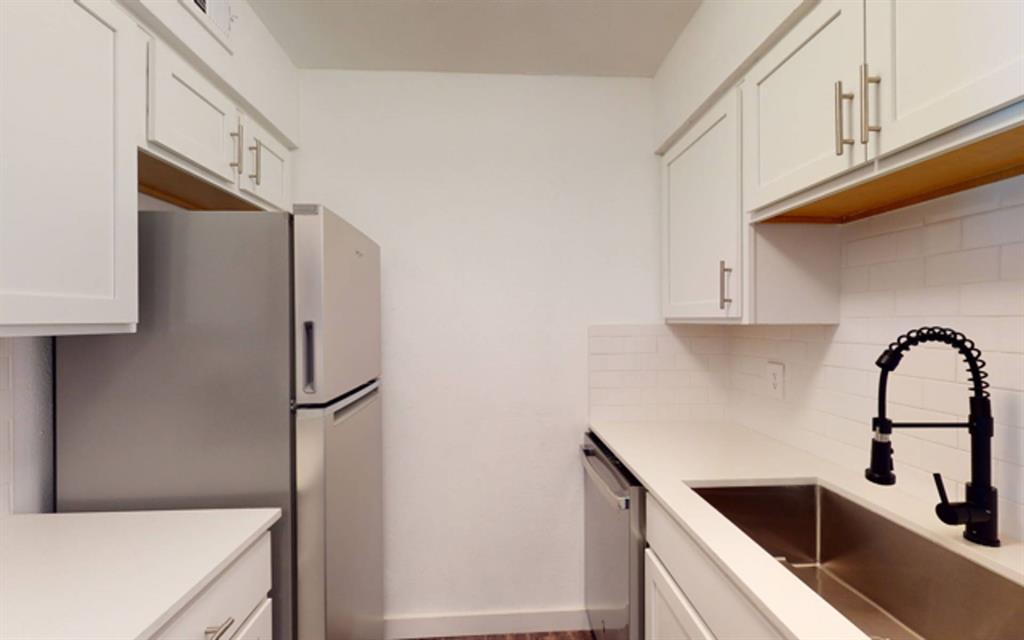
x: 951, y: 512
x: 943, y: 498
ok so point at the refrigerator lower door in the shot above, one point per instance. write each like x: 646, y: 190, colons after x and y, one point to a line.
x: 337, y: 306
x: 339, y: 507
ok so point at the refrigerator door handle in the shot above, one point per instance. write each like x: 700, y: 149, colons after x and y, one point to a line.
x: 309, y: 368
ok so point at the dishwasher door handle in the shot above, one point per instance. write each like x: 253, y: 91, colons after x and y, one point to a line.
x: 622, y: 502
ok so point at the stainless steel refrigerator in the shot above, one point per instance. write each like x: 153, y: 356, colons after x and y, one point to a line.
x: 253, y: 381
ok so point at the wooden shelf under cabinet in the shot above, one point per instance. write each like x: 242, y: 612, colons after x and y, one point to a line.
x: 167, y: 182
x: 988, y: 160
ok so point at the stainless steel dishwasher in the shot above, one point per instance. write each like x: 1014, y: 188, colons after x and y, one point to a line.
x: 614, y: 545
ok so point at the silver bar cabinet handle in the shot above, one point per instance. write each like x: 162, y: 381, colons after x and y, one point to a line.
x: 722, y: 270
x: 216, y: 633
x: 841, y: 140
x: 239, y: 136
x: 865, y: 127
x: 258, y: 149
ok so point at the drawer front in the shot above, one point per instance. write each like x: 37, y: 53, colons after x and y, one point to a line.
x: 189, y: 116
x: 668, y: 614
x: 228, y: 601
x: 727, y: 612
x: 260, y: 625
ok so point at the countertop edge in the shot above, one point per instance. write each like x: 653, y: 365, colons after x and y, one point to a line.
x: 273, y: 516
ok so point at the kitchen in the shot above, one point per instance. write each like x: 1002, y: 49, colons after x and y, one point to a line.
x: 538, y: 279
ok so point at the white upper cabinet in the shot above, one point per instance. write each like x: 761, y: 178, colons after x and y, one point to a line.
x: 266, y: 166
x: 69, y: 85
x: 189, y: 116
x: 701, y: 220
x: 195, y: 125
x: 799, y: 104
x: 939, y: 64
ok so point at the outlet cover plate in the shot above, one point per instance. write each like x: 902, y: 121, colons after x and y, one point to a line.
x: 777, y: 380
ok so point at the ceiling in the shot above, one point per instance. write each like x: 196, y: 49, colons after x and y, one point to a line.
x: 562, y: 37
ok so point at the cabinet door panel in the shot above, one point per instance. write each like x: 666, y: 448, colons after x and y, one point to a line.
x: 702, y: 218
x: 940, y: 64
x: 791, y: 119
x: 668, y: 614
x: 267, y: 167
x: 190, y: 116
x: 68, y: 212
x: 259, y: 625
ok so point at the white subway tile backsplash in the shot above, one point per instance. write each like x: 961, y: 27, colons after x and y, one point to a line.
x: 942, y: 237
x: 993, y: 299
x: 928, y: 301
x: 892, y: 276
x: 957, y: 205
x: 961, y: 267
x: 886, y: 248
x: 994, y: 228
x: 1011, y: 261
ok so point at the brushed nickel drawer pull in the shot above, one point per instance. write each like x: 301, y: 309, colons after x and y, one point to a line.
x: 216, y: 633
x: 865, y: 127
x: 841, y: 139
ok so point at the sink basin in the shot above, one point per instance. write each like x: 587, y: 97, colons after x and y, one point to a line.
x: 887, y: 580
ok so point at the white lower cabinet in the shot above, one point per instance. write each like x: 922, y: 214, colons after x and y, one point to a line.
x: 706, y: 595
x: 68, y: 203
x: 260, y: 625
x: 668, y: 614
x: 235, y: 598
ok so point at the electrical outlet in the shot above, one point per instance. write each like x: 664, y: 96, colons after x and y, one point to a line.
x: 777, y: 380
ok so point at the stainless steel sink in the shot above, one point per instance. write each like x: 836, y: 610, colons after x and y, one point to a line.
x: 887, y: 580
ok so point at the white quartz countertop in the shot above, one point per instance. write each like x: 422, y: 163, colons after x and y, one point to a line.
x: 114, y: 576
x: 671, y: 457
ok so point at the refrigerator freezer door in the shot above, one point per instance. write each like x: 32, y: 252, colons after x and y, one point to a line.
x: 192, y: 411
x: 337, y: 306
x: 339, y: 487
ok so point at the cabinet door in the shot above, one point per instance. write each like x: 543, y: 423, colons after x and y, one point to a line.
x: 701, y: 219
x: 259, y: 625
x: 266, y: 171
x: 799, y: 105
x: 668, y: 614
x: 940, y: 64
x: 191, y: 117
x: 68, y: 206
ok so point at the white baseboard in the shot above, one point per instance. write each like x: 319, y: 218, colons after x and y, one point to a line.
x: 478, y: 624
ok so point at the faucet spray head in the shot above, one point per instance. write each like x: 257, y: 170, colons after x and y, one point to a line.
x: 880, y: 469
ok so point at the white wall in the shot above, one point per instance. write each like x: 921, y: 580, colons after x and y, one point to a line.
x: 721, y: 37
x: 513, y: 212
x: 26, y: 434
x: 957, y: 262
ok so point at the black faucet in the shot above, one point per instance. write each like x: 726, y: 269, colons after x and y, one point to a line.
x: 980, y: 513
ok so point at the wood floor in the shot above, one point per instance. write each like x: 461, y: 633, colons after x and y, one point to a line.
x: 547, y: 635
